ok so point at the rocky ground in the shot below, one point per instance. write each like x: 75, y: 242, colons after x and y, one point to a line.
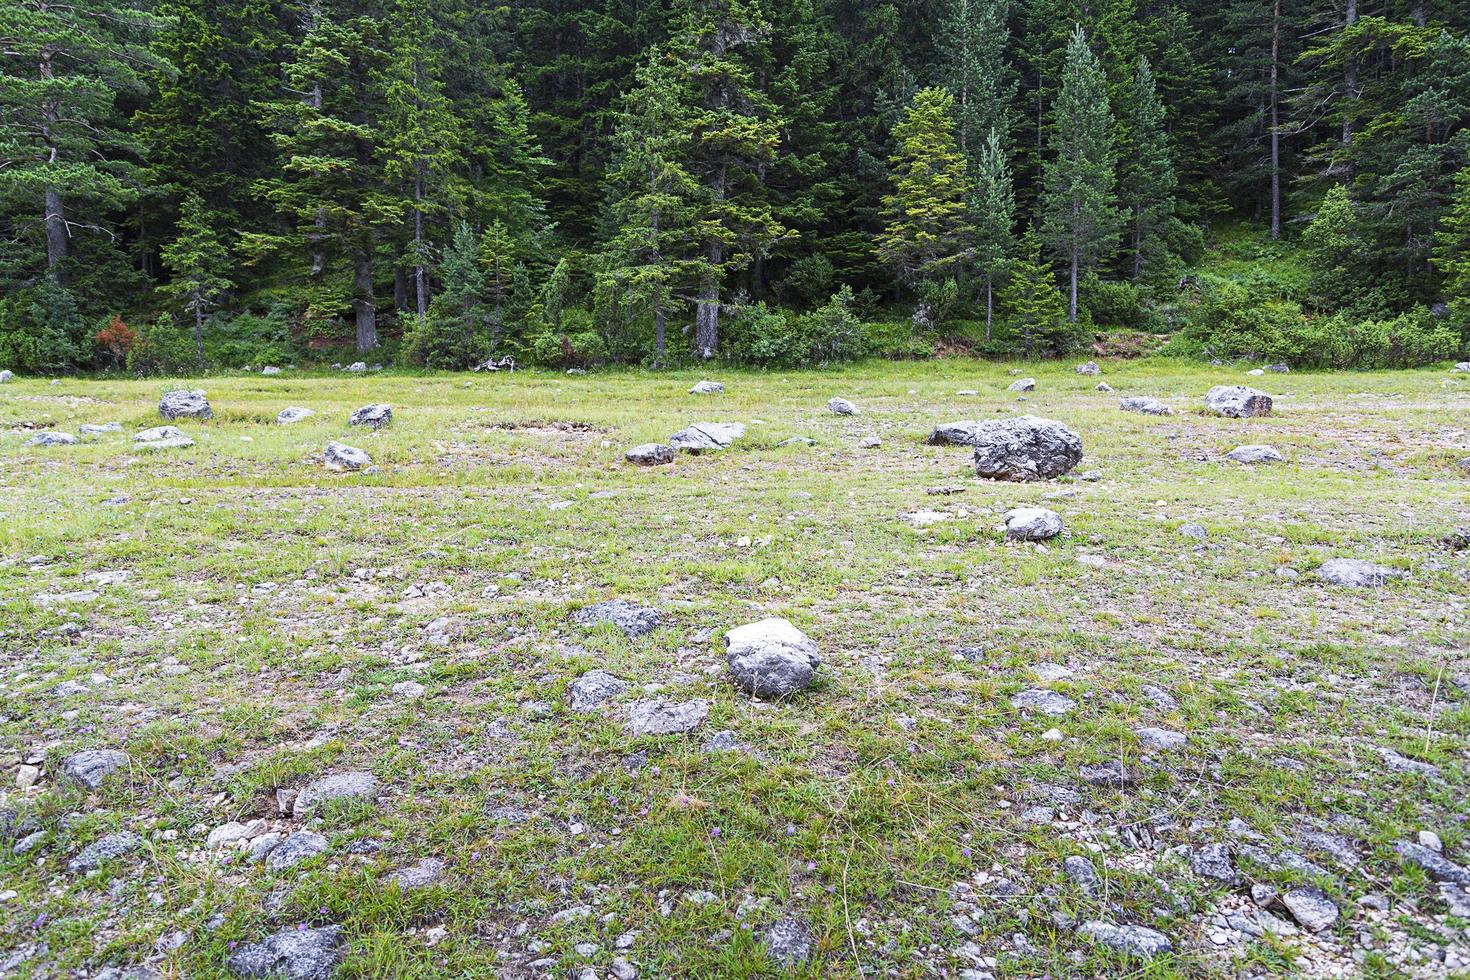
x: 455, y: 699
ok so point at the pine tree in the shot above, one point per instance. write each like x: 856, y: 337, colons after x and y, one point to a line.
x: 927, y: 232
x: 197, y: 263
x: 652, y: 201
x: 1452, y: 247
x: 455, y: 331
x: 1032, y: 303
x: 1146, y: 181
x: 993, y: 212
x: 972, y: 46
x: 1079, y: 214
x: 64, y: 156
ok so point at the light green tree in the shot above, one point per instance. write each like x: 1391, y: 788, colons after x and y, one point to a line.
x: 1146, y: 180
x: 927, y: 232
x: 993, y: 212
x: 197, y: 263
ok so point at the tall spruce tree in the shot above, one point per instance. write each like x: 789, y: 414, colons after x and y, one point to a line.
x: 1080, y: 218
x: 993, y: 213
x: 198, y: 264
x: 1146, y: 180
x: 1033, y: 306
x: 1452, y: 250
x: 927, y: 232
x: 972, y: 44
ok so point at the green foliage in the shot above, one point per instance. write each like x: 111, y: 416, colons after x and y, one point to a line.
x: 1146, y: 179
x: 763, y: 337
x: 1117, y: 304
x: 993, y: 210
x: 41, y: 330
x: 580, y: 350
x: 163, y: 347
x: 456, y: 333
x: 927, y: 227
x: 248, y: 339
x: 1334, y: 248
x: 1034, y: 309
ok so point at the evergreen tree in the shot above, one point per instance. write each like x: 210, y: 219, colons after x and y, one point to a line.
x: 455, y: 332
x: 1452, y: 249
x: 993, y: 211
x: 1333, y: 246
x: 1146, y: 180
x: 653, y: 201
x: 1032, y: 303
x: 927, y: 232
x: 197, y: 263
x: 64, y: 155
x: 972, y: 45
x: 1080, y: 218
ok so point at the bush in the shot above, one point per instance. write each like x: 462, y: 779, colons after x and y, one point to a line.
x: 576, y: 350
x: 115, y: 340
x: 41, y: 331
x: 248, y: 338
x: 764, y: 337
x: 809, y: 280
x: 1116, y: 304
x: 162, y: 347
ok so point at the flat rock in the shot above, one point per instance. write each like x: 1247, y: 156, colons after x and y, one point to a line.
x: 704, y: 437
x: 1355, y: 573
x: 633, y: 620
x: 662, y: 718
x: 589, y: 691
x: 294, y: 849
x: 1113, y: 774
x: 342, y: 458
x: 1434, y: 864
x: 1090, y: 368
x: 1196, y: 531
x: 1238, y: 402
x: 1145, y: 406
x: 788, y: 941
x: 1023, y: 384
x: 1213, y: 861
x: 270, y: 370
x: 841, y: 406
x: 1311, y: 908
x: 1080, y: 870
x: 286, y: 416
x: 1032, y: 524
x: 427, y: 872
x: 771, y: 658
x: 92, y: 766
x: 373, y: 416
x: 1161, y: 739
x: 955, y: 434
x: 1402, y: 763
x: 162, y: 437
x: 292, y: 954
x: 650, y: 454
x: 99, y: 429
x: 99, y: 852
x: 338, y: 786
x: 184, y: 405
x: 1044, y: 702
x: 707, y: 388
x: 1139, y: 941
x: 1253, y: 454
x: 1024, y: 449
x: 48, y: 439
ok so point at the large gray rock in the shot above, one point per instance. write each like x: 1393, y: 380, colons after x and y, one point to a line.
x: 788, y: 941
x: 1238, y: 401
x: 293, y: 414
x: 841, y: 406
x: 1310, y: 907
x: 955, y: 434
x: 633, y: 620
x: 339, y: 786
x: 662, y: 718
x: 294, y: 849
x: 1032, y: 524
x: 270, y: 370
x: 1355, y: 573
x: 99, y: 852
x: 650, y: 454
x: 1025, y: 448
x: 48, y: 439
x: 91, y: 768
x: 1045, y: 702
x: 162, y: 437
x: 704, y: 437
x: 1432, y: 863
x: 771, y: 658
x: 184, y: 405
x: 342, y: 458
x: 707, y: 388
x: 1139, y: 941
x: 589, y: 691
x: 292, y: 954
x: 1145, y: 405
x: 1090, y: 368
x: 6, y: 377
x: 1024, y: 384
x: 1250, y: 455
x: 374, y: 416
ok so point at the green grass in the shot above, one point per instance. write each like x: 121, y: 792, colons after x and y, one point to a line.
x: 272, y: 605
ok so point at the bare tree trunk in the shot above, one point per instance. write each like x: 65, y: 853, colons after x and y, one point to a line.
x: 707, y: 315
x: 989, y: 302
x: 55, y: 213
x: 1137, y: 248
x: 1072, y: 310
x: 199, y: 330
x: 400, y: 289
x: 365, y: 305
x: 1349, y: 79
x: 658, y: 335
x: 1275, y: 123
x: 420, y: 281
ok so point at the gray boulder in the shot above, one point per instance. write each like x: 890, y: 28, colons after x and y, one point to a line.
x: 99, y: 852
x: 587, y: 692
x: 1025, y: 448
x: 270, y: 370
x: 771, y: 658
x: 374, y: 416
x: 1112, y: 774
x: 662, y: 718
x: 1145, y: 405
x: 1355, y: 573
x: 162, y: 437
x: 6, y: 377
x: 1310, y: 907
x: 707, y: 388
x: 633, y: 620
x: 955, y: 434
x: 1196, y: 531
x: 1024, y: 384
x: 184, y: 405
x: 342, y: 458
x: 1463, y: 367
x: 650, y: 454
x: 1432, y: 863
x: 1090, y: 368
x: 99, y: 429
x: 704, y: 437
x: 427, y: 872
x: 1032, y: 524
x: 788, y: 941
x: 1161, y: 739
x: 1213, y: 861
x: 1253, y: 454
x: 1044, y: 702
x: 841, y: 406
x: 356, y: 367
x: 293, y: 414
x: 294, y: 849
x: 292, y: 954
x: 48, y: 439
x: 1139, y: 941
x: 1238, y: 402
x: 91, y: 768
x: 339, y: 786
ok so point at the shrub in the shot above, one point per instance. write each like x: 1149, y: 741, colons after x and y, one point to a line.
x: 41, y: 330
x: 560, y: 350
x: 162, y: 347
x: 809, y: 280
x: 765, y: 337
x: 1115, y: 304
x: 248, y: 338
x: 756, y: 334
x: 115, y: 340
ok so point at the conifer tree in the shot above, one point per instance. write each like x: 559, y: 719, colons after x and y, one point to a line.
x: 456, y: 331
x: 993, y: 211
x: 198, y: 264
x: 927, y: 228
x: 1146, y: 180
x: 972, y: 46
x: 1080, y: 218
x: 1452, y: 248
x: 1032, y: 303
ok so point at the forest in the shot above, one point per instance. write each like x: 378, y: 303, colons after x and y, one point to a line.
x: 214, y: 184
